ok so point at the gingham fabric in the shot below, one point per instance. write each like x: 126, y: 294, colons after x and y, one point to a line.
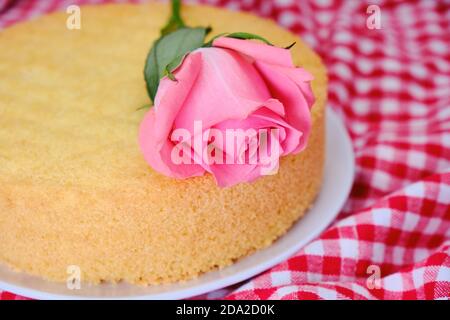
x: 391, y: 87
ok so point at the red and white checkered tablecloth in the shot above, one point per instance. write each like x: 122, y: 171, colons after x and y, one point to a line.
x: 391, y: 87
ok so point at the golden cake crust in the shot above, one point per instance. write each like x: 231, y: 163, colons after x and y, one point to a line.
x: 74, y: 187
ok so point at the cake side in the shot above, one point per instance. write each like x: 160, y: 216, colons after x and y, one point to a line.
x: 74, y: 189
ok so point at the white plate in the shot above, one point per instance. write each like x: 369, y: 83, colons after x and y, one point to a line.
x: 338, y: 179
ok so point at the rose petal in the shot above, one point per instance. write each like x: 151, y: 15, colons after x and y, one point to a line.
x: 291, y: 96
x: 302, y: 78
x: 228, y: 87
x: 155, y: 129
x: 290, y: 137
x: 257, y: 51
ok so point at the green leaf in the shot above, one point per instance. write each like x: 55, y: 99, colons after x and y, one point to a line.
x: 166, y: 51
x: 210, y: 42
x: 145, y: 106
x: 173, y: 65
x: 248, y: 36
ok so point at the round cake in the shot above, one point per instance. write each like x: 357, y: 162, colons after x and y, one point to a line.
x: 74, y: 186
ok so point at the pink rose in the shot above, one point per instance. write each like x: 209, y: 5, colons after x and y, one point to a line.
x: 235, y: 84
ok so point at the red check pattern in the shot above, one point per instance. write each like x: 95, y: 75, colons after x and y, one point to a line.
x: 391, y: 87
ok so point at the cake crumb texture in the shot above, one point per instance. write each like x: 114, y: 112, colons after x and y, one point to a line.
x: 74, y: 187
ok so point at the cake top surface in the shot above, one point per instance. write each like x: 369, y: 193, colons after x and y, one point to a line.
x: 68, y: 110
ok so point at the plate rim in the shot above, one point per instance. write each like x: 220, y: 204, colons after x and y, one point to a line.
x: 333, y: 124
